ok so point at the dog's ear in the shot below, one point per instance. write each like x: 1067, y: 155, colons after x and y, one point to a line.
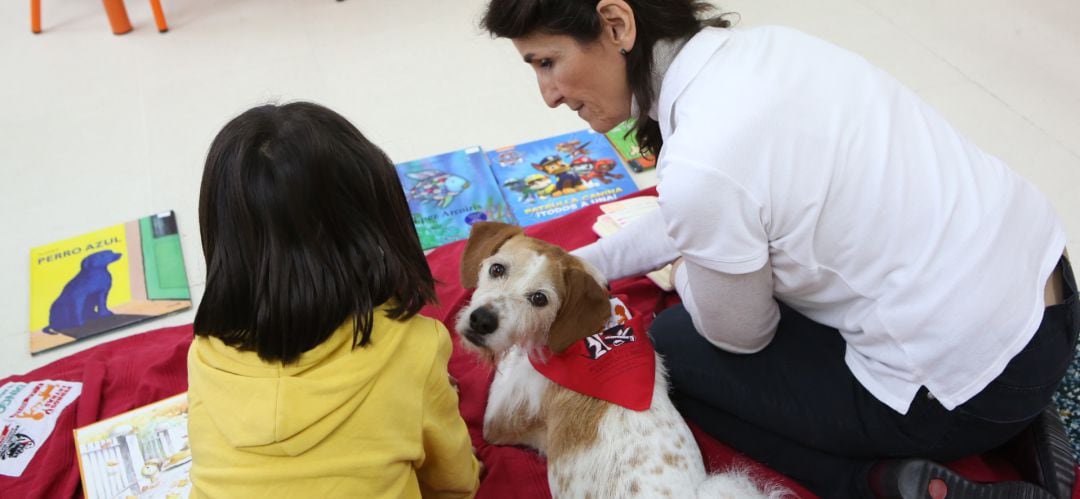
x: 485, y: 238
x: 584, y: 309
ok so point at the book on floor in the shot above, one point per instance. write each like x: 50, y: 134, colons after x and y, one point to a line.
x: 106, y: 279
x: 449, y: 192
x: 623, y: 140
x: 29, y: 411
x: 141, y: 453
x: 551, y: 177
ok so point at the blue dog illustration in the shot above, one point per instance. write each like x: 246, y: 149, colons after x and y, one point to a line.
x: 84, y: 296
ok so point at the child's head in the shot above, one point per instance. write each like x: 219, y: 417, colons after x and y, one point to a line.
x: 304, y: 226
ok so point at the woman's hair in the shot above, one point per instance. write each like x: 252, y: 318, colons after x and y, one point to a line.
x: 304, y: 227
x: 655, y: 20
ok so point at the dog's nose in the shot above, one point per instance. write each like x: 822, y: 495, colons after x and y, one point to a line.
x: 483, y: 321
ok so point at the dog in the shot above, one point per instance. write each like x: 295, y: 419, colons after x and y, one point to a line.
x: 533, y: 302
x: 84, y: 296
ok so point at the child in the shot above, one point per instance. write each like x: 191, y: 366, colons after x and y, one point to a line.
x: 311, y: 374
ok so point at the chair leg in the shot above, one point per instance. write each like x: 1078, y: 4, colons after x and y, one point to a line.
x: 35, y: 16
x: 159, y: 16
x: 118, y: 17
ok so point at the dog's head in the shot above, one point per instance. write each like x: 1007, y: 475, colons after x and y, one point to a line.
x: 101, y: 259
x: 528, y: 293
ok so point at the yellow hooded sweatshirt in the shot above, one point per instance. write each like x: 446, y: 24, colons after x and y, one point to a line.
x: 379, y: 421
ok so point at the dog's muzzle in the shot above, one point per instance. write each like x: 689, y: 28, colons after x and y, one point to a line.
x: 482, y: 322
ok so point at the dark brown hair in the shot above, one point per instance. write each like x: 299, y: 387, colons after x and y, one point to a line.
x: 655, y: 20
x: 304, y: 227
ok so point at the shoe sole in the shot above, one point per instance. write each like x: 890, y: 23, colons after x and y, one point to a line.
x: 1057, y: 467
x: 920, y: 479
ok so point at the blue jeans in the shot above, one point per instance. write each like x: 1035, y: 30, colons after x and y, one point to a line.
x: 796, y: 407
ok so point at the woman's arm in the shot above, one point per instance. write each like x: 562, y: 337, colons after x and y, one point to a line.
x: 734, y: 312
x: 640, y: 247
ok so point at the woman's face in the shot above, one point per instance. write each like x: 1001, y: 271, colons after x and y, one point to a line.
x: 589, y: 79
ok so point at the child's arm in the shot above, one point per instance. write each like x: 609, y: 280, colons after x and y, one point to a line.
x: 449, y: 468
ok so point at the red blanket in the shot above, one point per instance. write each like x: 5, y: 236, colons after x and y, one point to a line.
x: 130, y: 372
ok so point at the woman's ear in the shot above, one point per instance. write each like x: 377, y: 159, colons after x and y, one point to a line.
x: 618, y: 24
x: 583, y: 310
x: 485, y: 238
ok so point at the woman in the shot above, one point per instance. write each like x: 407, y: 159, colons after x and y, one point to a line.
x: 860, y: 284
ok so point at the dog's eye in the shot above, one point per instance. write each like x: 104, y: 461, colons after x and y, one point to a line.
x: 496, y: 270
x: 538, y: 299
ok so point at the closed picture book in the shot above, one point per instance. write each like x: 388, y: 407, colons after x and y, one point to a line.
x: 106, y: 279
x: 141, y: 453
x: 448, y: 193
x: 622, y: 138
x: 551, y: 177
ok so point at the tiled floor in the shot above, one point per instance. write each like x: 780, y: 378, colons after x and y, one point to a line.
x: 98, y: 129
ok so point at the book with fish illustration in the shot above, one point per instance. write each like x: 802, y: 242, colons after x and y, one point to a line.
x: 141, y: 453
x: 622, y: 138
x: 106, y: 279
x: 449, y: 192
x: 551, y: 177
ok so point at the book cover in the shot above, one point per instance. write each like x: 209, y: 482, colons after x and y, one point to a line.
x: 448, y: 193
x: 551, y: 177
x: 622, y: 138
x: 141, y: 453
x: 28, y: 415
x: 106, y: 279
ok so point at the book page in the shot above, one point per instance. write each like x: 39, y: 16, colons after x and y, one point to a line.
x: 141, y: 453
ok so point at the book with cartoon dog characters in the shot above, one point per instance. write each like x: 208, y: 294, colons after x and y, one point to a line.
x: 141, y: 453
x: 106, y: 279
x: 551, y: 177
x: 448, y: 193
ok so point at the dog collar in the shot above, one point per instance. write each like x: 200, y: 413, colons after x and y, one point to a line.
x: 617, y: 364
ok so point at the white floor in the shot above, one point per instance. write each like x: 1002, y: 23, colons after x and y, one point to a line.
x: 97, y: 129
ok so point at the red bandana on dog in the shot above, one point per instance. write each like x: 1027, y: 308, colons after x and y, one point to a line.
x: 617, y: 364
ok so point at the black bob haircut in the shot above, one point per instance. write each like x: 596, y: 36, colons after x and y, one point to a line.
x: 304, y: 226
x: 655, y: 20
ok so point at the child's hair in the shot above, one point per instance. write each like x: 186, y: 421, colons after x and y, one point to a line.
x: 304, y: 226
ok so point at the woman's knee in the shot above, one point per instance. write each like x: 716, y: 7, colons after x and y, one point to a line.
x: 671, y: 330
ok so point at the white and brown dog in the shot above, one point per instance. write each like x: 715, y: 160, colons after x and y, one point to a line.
x: 533, y: 298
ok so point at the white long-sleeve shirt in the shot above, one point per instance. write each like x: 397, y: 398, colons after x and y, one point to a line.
x: 734, y: 312
x: 876, y: 216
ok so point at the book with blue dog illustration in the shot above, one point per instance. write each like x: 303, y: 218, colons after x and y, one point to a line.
x: 106, y: 279
x: 449, y: 192
x: 551, y: 177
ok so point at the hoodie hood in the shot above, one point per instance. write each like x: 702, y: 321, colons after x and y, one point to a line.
x: 283, y: 410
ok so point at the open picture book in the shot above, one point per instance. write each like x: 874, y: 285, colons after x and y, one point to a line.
x: 141, y: 453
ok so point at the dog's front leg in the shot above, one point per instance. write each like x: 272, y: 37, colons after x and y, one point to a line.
x: 513, y: 415
x: 101, y: 302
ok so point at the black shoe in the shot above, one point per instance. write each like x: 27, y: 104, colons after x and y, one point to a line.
x: 919, y: 478
x: 1045, y: 454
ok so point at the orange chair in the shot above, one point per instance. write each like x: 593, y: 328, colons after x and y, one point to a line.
x: 118, y: 17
